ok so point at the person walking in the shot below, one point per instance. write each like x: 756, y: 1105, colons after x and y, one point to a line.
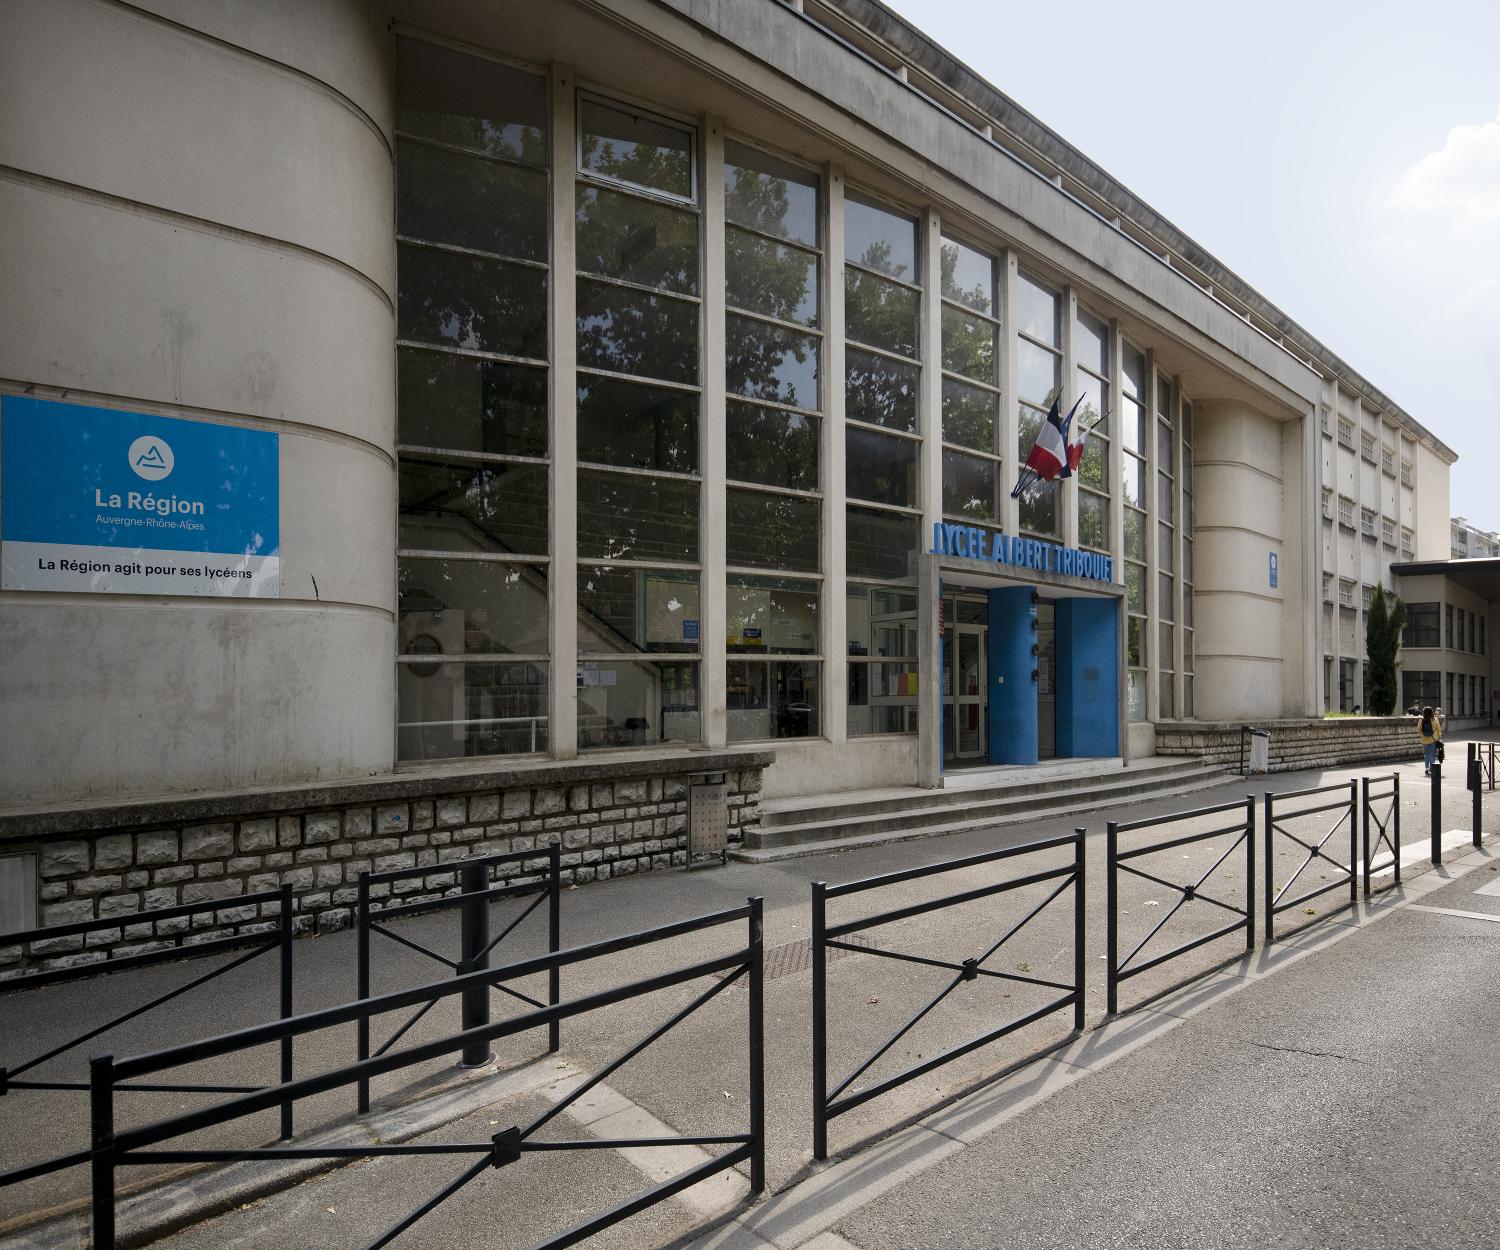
x: 1430, y: 731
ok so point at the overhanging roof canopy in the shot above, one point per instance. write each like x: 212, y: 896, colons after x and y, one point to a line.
x: 1482, y: 577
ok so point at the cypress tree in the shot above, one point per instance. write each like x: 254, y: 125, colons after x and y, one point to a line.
x: 1383, y: 625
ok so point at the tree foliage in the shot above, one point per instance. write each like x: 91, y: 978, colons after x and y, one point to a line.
x: 1383, y: 624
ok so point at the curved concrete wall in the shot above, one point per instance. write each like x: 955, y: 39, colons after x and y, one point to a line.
x: 1238, y: 506
x: 198, y: 202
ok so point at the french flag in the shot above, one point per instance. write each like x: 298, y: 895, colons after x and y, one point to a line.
x: 1049, y: 454
x: 1074, y: 436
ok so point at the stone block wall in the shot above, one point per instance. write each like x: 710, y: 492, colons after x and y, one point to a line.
x: 608, y: 820
x: 1297, y: 744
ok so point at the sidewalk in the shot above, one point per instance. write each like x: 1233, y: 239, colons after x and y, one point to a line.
x: 693, y: 1080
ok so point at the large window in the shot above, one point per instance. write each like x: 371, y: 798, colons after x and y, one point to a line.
x: 882, y: 454
x: 1092, y: 344
x: 1185, y: 520
x: 1421, y: 629
x: 1038, y: 321
x: 638, y: 306
x: 1132, y: 427
x: 1166, y: 542
x: 773, y: 261
x: 472, y: 225
x: 973, y: 472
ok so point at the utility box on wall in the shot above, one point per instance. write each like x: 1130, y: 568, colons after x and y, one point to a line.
x: 708, y: 821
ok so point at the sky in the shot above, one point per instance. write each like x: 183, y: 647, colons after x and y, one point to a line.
x: 1342, y: 158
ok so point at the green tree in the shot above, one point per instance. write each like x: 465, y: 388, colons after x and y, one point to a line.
x: 1383, y: 625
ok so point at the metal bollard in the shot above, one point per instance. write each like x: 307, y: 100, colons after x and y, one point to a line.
x: 474, y: 921
x: 1477, y: 792
x: 1437, y: 812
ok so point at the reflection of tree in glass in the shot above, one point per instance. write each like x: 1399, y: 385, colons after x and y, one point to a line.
x: 473, y: 303
x: 628, y: 237
x: 657, y: 166
x: 772, y: 447
x: 632, y: 332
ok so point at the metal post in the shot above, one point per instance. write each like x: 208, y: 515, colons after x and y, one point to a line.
x: 286, y: 1005
x: 1249, y: 872
x: 474, y: 925
x: 757, y: 955
x: 1079, y: 963
x: 1396, y: 818
x: 102, y: 1160
x: 1111, y: 916
x: 1478, y: 797
x: 554, y: 944
x: 819, y: 1020
x: 1268, y: 812
x: 1353, y: 840
x: 1437, y: 812
x: 362, y: 987
x: 1364, y: 812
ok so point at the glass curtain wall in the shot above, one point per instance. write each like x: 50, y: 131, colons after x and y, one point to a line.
x: 882, y: 449
x: 639, y: 317
x: 1186, y: 478
x: 973, y: 472
x: 774, y: 353
x: 1039, y: 364
x: 1092, y: 340
x: 472, y: 223
x: 1166, y: 541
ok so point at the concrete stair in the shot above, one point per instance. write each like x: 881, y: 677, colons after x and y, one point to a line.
x: 983, y: 799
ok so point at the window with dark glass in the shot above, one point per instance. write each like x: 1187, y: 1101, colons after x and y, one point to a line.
x: 973, y: 470
x: 1421, y: 628
x: 1093, y: 353
x: 1132, y: 429
x: 1166, y: 542
x: 1039, y: 363
x: 472, y: 230
x: 773, y: 259
x: 639, y: 310
x: 882, y: 446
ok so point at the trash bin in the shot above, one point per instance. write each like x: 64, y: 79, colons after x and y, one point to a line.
x: 1260, y: 751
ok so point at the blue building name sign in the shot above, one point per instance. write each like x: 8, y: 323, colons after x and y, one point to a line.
x: 971, y: 542
x: 105, y: 501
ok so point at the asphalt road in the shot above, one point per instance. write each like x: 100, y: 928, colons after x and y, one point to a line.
x: 1347, y: 1100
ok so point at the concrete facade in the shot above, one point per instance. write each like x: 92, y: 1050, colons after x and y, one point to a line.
x: 203, y: 201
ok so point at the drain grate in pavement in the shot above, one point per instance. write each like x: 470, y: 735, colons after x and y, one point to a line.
x: 794, y: 957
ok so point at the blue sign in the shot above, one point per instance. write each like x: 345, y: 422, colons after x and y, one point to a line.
x: 975, y: 543
x: 107, y: 501
x: 689, y: 629
x: 1273, y: 570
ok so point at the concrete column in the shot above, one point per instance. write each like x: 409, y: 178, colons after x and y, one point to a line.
x: 712, y: 534
x: 929, y: 675
x: 563, y: 630
x: 160, y: 259
x: 1179, y: 545
x: 835, y: 602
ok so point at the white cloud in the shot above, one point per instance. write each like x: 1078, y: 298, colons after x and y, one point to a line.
x: 1459, y: 183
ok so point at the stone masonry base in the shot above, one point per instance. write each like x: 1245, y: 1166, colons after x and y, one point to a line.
x: 1296, y: 744
x: 610, y: 818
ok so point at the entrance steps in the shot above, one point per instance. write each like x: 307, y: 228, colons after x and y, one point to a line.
x: 970, y: 799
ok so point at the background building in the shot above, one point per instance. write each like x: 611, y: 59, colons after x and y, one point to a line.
x: 1471, y: 542
x: 633, y: 380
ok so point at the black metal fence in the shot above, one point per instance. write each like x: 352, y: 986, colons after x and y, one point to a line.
x: 1380, y: 813
x: 256, y: 939
x: 1118, y: 861
x: 1484, y: 755
x: 156, y: 1143
x: 827, y: 1104
x: 475, y: 895
x: 1280, y: 810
